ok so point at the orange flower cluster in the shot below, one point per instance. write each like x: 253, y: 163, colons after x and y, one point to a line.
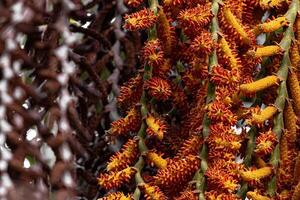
x: 124, y: 157
x: 114, y: 180
x: 178, y: 171
x: 140, y: 20
x: 265, y: 143
x: 216, y: 83
x: 129, y: 123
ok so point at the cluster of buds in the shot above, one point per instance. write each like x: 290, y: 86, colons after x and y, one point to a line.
x: 206, y: 116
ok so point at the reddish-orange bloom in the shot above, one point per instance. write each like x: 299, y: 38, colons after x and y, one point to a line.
x: 140, y: 20
x: 131, y: 92
x: 217, y: 177
x: 194, y: 19
x: 158, y: 88
x: 265, y: 143
x: 202, y: 44
x: 124, y: 157
x: 152, y: 53
x: 219, y: 112
x: 129, y: 123
x: 225, y: 78
x: 133, y: 3
x: 156, y: 127
x: 222, y: 141
x: 114, y: 180
x: 190, y: 146
x: 177, y: 172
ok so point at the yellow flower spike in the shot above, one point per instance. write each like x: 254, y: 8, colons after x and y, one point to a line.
x: 297, y: 24
x: 264, y: 115
x: 297, y: 169
x: 290, y: 122
x: 166, y: 33
x: 156, y: 159
x: 156, y: 127
x: 260, y: 162
x: 260, y: 84
x: 296, y: 194
x: 229, y: 53
x: 256, y: 174
x: 265, y: 51
x: 284, y: 152
x: 285, y: 194
x: 294, y: 88
x: 271, y: 26
x: 295, y: 56
x: 152, y: 192
x: 232, y: 20
x: 256, y: 196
